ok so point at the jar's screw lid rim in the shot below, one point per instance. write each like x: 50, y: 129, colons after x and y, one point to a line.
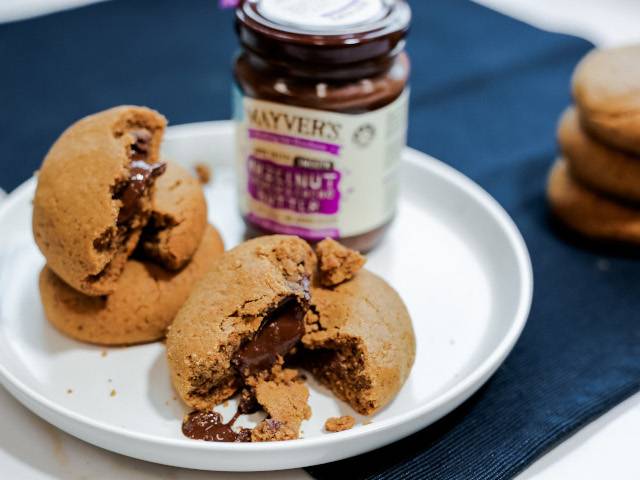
x: 395, y: 17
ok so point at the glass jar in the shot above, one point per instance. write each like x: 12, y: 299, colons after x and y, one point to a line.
x: 320, y: 105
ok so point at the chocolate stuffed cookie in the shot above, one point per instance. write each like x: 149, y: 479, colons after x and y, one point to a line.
x: 93, y: 195
x: 255, y: 318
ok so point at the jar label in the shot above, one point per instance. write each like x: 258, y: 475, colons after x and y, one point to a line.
x: 315, y: 173
x: 326, y: 15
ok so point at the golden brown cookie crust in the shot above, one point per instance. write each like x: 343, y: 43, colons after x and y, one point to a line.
x: 606, y: 88
x: 597, y: 165
x: 145, y: 300
x: 178, y: 218
x: 74, y: 209
x: 361, y: 341
x: 227, y: 307
x: 589, y: 213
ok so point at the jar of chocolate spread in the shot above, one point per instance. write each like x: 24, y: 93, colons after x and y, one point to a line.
x: 321, y: 113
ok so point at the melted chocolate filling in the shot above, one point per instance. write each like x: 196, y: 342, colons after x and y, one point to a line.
x: 281, y: 331
x: 142, y: 175
x: 209, y: 426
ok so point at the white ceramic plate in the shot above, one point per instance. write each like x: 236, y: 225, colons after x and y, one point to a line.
x: 454, y: 255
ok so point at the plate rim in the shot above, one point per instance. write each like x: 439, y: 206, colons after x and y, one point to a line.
x: 455, y: 395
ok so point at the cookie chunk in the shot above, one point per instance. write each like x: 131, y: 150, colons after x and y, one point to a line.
x: 339, y: 424
x: 178, y: 218
x: 284, y: 398
x: 597, y: 165
x: 93, y: 195
x: 606, y: 88
x: 245, y: 315
x: 337, y: 263
x: 143, y: 304
x: 359, y: 341
x: 588, y: 213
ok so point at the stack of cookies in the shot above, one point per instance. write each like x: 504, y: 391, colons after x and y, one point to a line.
x: 594, y: 189
x: 124, y: 234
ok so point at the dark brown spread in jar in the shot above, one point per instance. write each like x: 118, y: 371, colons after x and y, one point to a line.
x: 321, y: 108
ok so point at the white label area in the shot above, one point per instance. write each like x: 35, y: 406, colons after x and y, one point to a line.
x: 322, y: 15
x: 315, y: 173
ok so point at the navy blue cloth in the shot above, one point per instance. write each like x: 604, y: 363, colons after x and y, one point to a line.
x: 486, y: 94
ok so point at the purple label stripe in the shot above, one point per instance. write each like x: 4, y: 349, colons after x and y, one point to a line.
x: 314, y: 145
x: 306, y: 233
x: 298, y: 189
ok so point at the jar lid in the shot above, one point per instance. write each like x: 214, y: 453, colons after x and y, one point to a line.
x: 323, y: 17
x: 323, y: 31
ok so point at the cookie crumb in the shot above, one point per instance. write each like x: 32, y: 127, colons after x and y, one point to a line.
x: 104, y: 353
x: 69, y: 391
x: 337, y: 263
x: 367, y: 422
x: 225, y: 404
x: 339, y: 424
x: 273, y: 430
x: 113, y: 393
x: 203, y: 172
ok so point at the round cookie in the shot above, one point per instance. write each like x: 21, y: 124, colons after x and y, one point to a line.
x: 93, y: 195
x: 145, y: 300
x: 241, y: 295
x: 588, y: 213
x: 359, y: 341
x: 596, y: 165
x: 606, y: 88
x: 178, y: 218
